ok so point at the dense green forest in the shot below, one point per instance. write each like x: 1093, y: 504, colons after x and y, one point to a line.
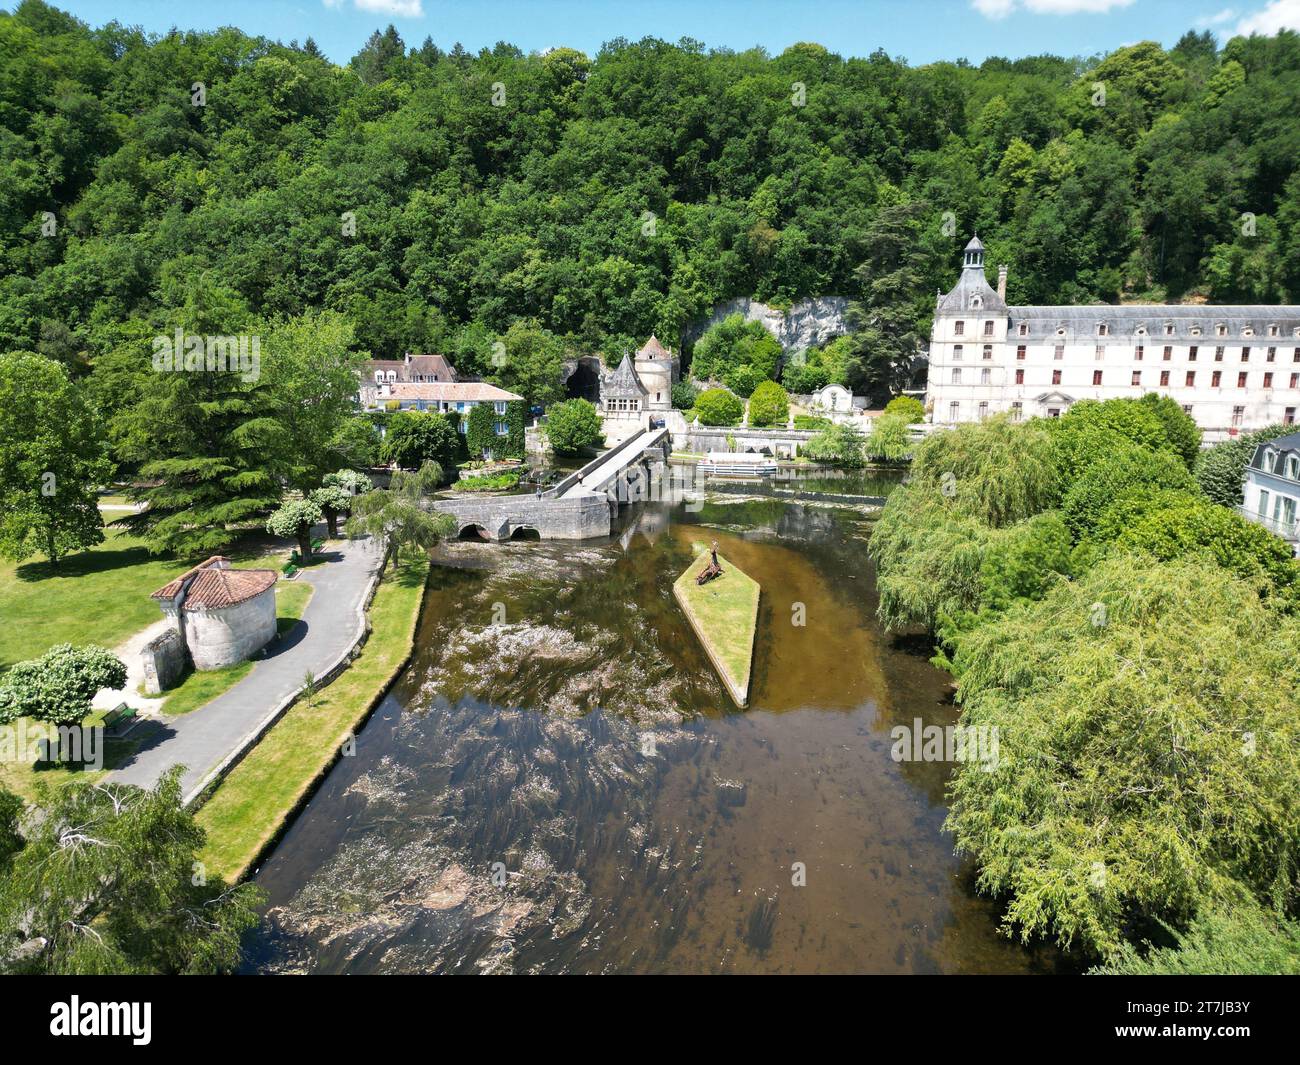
x: 434, y: 198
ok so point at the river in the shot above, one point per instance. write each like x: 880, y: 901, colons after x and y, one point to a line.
x: 559, y: 784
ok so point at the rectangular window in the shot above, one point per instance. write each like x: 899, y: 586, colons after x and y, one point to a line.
x: 1295, y: 380
x: 1190, y: 381
x: 1245, y: 354
x: 1271, y: 356
x: 956, y: 375
x: 1018, y: 410
x: 986, y: 376
x: 1020, y: 377
x: 1237, y: 414
x: 1164, y: 377
x: 1137, y: 353
x: 1100, y: 351
x: 988, y: 351
x: 1168, y: 353
x: 503, y: 429
x: 983, y: 410
x: 1218, y: 354
x: 1056, y: 377
x: 1096, y: 377
x: 1137, y: 378
x: 1289, y: 417
x: 954, y: 409
x: 959, y: 328
x: 1191, y: 353
x: 1059, y: 352
x: 1268, y: 380
x: 1216, y: 378
x: 1020, y: 352
x: 956, y: 353
x: 1241, y: 379
x: 988, y: 329
x: 1263, y: 502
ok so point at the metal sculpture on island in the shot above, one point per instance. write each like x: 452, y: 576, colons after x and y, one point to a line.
x: 720, y: 602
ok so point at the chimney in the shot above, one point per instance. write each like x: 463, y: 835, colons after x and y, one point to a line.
x: 407, y: 358
x: 1002, y: 283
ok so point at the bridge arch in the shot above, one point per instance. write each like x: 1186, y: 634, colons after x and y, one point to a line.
x: 473, y: 532
x: 525, y: 532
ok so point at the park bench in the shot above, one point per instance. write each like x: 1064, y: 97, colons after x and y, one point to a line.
x: 121, y: 714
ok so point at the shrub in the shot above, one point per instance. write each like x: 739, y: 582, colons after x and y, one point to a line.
x: 731, y: 343
x: 717, y: 406
x: 908, y: 406
x: 742, y: 380
x: 804, y: 378
x: 838, y: 445
x: 573, y: 425
x: 890, y: 439
x: 684, y: 393
x: 810, y: 422
x: 480, y: 429
x: 1220, y: 469
x: 769, y: 405
x: 1126, y: 468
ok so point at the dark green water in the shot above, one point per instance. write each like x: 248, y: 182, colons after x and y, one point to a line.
x: 559, y: 783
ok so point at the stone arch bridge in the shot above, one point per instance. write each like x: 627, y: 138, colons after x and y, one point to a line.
x: 579, y: 507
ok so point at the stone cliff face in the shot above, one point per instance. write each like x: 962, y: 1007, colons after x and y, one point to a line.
x: 812, y: 321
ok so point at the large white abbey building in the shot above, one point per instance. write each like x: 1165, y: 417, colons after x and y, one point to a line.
x: 1232, y: 368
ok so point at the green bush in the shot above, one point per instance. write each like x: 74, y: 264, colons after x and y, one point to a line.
x: 1127, y: 467
x: 732, y: 343
x: 838, y: 445
x: 802, y: 379
x: 573, y: 425
x: 742, y: 380
x: 908, y: 406
x: 1221, y: 469
x: 684, y: 393
x: 810, y: 422
x: 717, y: 406
x: 769, y: 405
x: 890, y: 439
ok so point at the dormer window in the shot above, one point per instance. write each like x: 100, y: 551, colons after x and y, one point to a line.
x: 1102, y: 329
x: 1023, y: 329
x: 1060, y: 330
x: 379, y: 377
x: 1169, y: 329
x: 977, y: 302
x: 1248, y: 332
x: 1221, y: 330
x: 1141, y: 330
x: 1272, y: 330
x: 1196, y: 330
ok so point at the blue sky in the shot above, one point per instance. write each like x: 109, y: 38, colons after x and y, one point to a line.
x: 920, y: 30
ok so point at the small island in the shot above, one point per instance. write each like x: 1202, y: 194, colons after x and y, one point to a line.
x: 724, y: 614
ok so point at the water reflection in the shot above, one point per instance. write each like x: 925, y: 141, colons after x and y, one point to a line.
x: 560, y: 784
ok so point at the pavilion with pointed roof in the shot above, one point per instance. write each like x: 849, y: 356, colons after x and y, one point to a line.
x: 641, y: 382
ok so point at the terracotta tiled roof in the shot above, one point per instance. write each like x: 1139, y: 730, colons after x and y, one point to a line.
x: 449, y: 391
x: 654, y: 350
x: 210, y: 585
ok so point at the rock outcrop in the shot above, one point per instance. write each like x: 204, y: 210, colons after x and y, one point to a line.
x: 808, y: 322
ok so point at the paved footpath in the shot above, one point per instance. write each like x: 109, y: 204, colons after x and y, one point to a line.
x: 204, y: 738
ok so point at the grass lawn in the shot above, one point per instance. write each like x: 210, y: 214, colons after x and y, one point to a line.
x: 100, y: 596
x: 724, y: 615
x: 198, y: 688
x: 249, y: 806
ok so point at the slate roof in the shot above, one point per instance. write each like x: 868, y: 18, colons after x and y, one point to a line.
x: 624, y: 382
x: 654, y: 350
x: 211, y: 586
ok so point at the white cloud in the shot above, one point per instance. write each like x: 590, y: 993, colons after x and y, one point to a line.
x: 1003, y: 8
x: 1219, y: 18
x: 401, y: 8
x: 1279, y: 15
x: 397, y: 8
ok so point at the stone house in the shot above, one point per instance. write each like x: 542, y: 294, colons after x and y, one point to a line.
x: 222, y: 615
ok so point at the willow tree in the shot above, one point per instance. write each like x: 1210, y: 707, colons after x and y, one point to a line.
x: 400, y: 517
x: 1147, y: 741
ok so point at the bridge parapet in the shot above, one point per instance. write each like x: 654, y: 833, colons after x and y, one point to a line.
x: 576, y: 518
